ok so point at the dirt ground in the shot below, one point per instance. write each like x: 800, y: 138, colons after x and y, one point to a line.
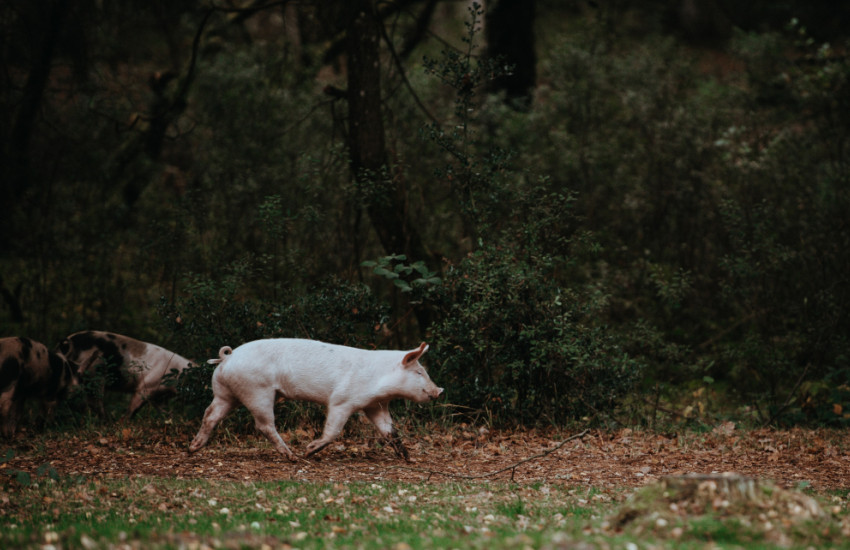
x: 819, y: 459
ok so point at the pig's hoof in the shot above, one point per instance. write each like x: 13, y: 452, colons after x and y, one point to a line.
x: 315, y: 447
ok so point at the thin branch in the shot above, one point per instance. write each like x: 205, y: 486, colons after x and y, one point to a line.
x: 599, y: 414
x: 196, y: 42
x: 448, y: 45
x: 309, y: 113
x: 420, y: 28
x: 512, y: 467
x: 730, y: 328
x: 403, y: 75
x: 250, y: 10
x: 655, y: 408
x: 683, y: 416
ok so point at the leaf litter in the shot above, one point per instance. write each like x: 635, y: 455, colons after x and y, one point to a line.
x: 819, y: 459
x: 601, y: 467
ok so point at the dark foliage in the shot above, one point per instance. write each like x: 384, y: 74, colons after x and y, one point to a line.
x: 668, y: 211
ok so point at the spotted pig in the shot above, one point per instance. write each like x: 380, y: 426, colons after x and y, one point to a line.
x: 125, y: 365
x: 28, y: 370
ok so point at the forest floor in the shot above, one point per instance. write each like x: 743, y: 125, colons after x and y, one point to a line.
x: 795, y: 458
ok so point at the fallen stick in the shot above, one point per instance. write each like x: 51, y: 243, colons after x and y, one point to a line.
x: 512, y: 467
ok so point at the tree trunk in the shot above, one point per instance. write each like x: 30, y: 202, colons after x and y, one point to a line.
x: 509, y: 28
x: 15, y: 175
x: 383, y: 191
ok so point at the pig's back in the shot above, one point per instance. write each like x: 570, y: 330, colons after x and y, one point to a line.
x: 156, y: 361
x: 294, y: 368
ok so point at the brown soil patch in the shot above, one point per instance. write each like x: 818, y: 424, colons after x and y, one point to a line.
x: 623, y: 458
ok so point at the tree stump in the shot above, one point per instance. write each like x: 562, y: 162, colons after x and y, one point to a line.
x: 729, y: 486
x: 666, y: 507
x: 738, y: 492
x: 669, y: 508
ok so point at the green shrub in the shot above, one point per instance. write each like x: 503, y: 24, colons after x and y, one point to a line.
x: 515, y: 344
x: 785, y: 216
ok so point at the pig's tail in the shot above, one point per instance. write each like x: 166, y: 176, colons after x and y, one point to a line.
x: 222, y: 355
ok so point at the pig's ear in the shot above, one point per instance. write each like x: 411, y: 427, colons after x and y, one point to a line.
x: 65, y: 347
x: 412, y: 357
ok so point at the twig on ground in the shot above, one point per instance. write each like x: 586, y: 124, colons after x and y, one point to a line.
x: 512, y: 467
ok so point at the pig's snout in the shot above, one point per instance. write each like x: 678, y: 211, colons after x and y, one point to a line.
x: 434, y: 393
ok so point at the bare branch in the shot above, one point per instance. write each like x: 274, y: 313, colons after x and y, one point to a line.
x: 512, y: 467
x: 403, y: 75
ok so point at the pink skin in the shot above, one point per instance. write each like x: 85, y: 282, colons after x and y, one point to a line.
x: 345, y: 380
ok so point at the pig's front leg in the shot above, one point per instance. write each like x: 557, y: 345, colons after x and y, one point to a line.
x: 337, y: 416
x: 8, y: 410
x: 379, y: 414
x: 136, y: 402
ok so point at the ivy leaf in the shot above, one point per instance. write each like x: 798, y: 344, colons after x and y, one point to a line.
x: 402, y: 284
x: 422, y: 269
x: 384, y: 272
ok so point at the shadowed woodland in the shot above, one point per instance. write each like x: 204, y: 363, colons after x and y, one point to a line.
x: 635, y: 212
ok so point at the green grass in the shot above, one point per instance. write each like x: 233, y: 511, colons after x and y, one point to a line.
x: 172, y: 513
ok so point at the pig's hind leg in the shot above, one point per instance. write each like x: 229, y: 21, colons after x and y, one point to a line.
x: 217, y: 410
x: 379, y: 414
x: 262, y: 408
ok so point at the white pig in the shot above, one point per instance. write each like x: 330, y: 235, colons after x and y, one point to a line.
x: 344, y: 379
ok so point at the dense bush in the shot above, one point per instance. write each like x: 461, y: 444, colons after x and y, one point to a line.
x: 784, y: 272
x: 515, y: 345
